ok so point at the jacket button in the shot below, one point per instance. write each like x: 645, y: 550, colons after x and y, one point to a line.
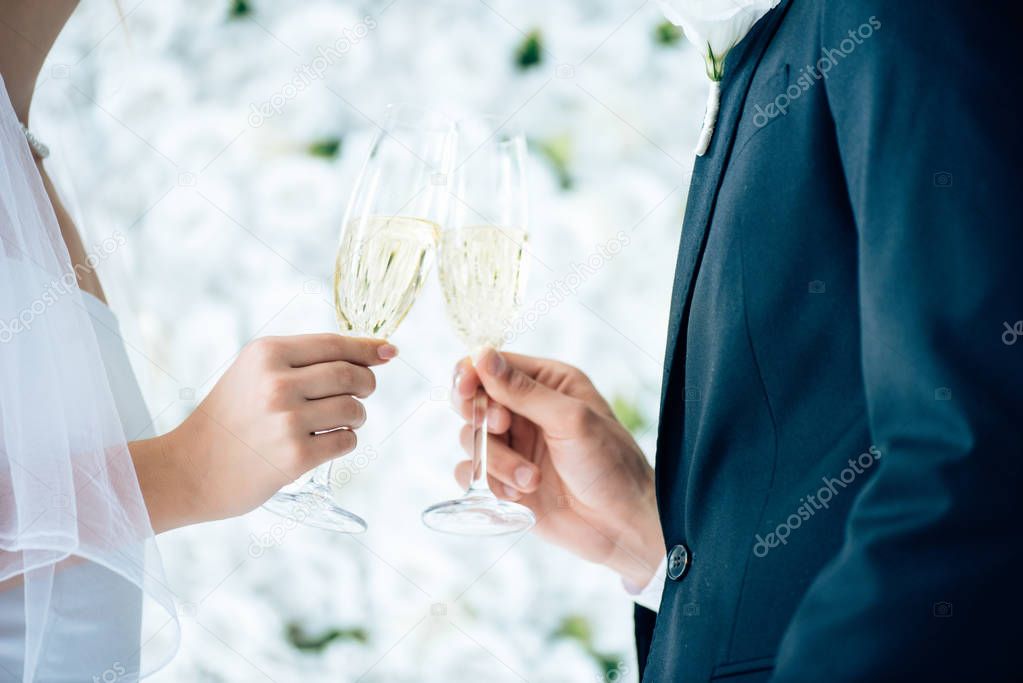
x: 679, y: 560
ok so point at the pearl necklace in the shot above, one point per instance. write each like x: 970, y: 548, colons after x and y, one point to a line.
x: 38, y: 147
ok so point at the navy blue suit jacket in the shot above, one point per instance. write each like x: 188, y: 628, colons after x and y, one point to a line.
x: 851, y: 254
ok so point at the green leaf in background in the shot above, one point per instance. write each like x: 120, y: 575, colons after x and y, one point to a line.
x: 316, y: 642
x: 628, y: 413
x: 239, y: 8
x: 327, y: 148
x: 558, y: 152
x: 575, y: 627
x: 530, y: 51
x: 667, y: 33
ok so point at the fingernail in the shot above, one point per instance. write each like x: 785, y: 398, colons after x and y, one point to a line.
x: 524, y: 476
x: 492, y: 414
x: 493, y: 362
x: 510, y: 491
x: 459, y: 390
x: 457, y: 378
x: 387, y: 351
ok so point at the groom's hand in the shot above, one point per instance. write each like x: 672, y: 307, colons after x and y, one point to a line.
x: 556, y: 447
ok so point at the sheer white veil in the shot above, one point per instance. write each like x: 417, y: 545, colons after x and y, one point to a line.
x: 75, y: 537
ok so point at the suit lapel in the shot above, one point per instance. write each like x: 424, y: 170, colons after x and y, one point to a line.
x: 740, y: 66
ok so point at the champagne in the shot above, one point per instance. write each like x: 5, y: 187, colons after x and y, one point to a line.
x: 481, y: 275
x: 380, y: 268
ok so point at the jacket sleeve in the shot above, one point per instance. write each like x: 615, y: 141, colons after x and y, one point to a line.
x: 927, y: 111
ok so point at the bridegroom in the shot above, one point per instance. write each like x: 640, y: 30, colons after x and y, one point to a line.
x: 840, y: 455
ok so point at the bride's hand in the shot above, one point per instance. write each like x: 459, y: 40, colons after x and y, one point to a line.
x: 255, y: 431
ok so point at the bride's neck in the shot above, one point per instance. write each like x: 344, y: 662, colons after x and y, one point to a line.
x: 28, y: 29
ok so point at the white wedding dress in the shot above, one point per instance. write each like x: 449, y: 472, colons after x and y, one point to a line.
x: 102, y: 646
x: 83, y: 584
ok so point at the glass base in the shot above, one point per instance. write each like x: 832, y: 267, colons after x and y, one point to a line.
x: 478, y: 513
x: 315, y: 507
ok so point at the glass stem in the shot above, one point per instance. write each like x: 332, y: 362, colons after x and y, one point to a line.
x: 321, y: 475
x: 479, y: 484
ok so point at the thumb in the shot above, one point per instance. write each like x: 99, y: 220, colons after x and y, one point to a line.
x: 557, y: 414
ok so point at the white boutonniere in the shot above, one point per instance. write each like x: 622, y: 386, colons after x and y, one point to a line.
x: 714, y: 27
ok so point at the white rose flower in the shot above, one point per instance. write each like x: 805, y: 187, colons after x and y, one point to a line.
x: 714, y: 27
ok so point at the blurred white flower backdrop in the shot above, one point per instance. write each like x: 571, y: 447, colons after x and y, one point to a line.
x: 222, y: 138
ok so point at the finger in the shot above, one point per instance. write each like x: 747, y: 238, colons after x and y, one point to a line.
x: 466, y: 380
x: 498, y: 417
x: 505, y: 464
x: 464, y: 388
x: 334, y: 444
x: 463, y: 471
x: 569, y: 380
x: 335, y: 379
x: 307, y: 349
x: 332, y: 412
x: 531, y: 365
x: 556, y: 413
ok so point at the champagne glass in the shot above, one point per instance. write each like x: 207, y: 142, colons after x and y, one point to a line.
x: 480, y: 263
x: 388, y: 238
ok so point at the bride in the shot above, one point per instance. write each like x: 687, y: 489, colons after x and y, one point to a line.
x: 84, y: 483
